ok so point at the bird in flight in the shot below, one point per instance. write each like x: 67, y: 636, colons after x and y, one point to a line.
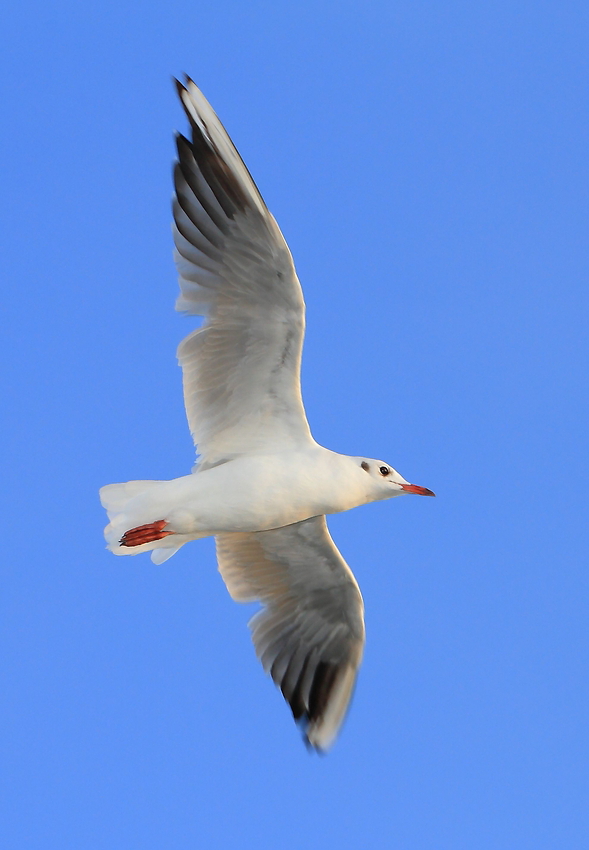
x: 262, y: 486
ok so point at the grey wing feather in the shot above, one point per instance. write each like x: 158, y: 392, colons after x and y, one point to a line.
x: 241, y: 370
x: 310, y: 634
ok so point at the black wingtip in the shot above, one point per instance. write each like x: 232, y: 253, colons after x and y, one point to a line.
x: 178, y: 86
x: 182, y: 143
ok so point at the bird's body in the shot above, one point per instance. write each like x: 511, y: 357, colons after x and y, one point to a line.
x: 247, y: 493
x: 262, y: 485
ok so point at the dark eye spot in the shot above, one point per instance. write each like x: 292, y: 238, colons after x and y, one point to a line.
x: 365, y: 466
x: 384, y: 470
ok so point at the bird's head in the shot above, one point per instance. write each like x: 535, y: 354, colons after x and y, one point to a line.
x: 386, y: 482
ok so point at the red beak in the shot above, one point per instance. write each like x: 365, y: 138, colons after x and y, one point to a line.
x: 415, y: 488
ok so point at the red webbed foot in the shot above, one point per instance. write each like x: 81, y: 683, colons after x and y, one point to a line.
x: 145, y: 534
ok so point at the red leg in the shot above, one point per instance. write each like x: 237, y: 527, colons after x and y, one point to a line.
x: 145, y: 534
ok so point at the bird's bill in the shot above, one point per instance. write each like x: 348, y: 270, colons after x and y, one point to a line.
x: 415, y: 488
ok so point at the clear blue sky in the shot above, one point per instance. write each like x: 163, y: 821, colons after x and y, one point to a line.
x: 427, y: 162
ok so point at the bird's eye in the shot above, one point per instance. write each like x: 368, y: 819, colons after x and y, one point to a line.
x: 384, y: 470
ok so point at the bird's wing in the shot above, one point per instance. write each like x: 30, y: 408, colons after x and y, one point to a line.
x: 310, y: 634
x: 241, y: 369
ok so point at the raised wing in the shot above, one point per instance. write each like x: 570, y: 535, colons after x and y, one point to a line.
x: 310, y: 634
x: 241, y: 370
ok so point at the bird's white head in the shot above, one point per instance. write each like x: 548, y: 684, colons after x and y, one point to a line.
x: 386, y: 482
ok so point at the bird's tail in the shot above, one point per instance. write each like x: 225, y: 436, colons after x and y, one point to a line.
x: 129, y: 505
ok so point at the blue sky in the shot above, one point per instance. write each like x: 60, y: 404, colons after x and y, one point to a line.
x: 427, y: 162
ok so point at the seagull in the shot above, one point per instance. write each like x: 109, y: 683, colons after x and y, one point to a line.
x: 262, y: 486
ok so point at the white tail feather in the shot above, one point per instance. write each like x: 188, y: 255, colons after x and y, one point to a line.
x: 114, y: 497
x: 126, y: 510
x: 159, y: 556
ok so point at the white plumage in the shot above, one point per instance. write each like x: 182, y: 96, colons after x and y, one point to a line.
x: 262, y: 485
